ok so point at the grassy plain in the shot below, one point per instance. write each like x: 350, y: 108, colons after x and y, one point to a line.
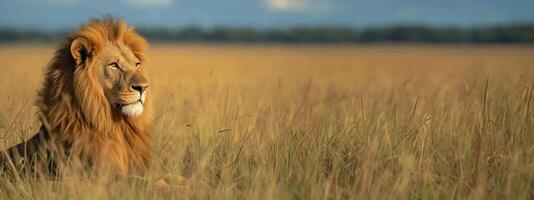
x: 313, y: 122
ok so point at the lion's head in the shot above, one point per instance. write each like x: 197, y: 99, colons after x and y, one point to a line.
x: 112, y: 53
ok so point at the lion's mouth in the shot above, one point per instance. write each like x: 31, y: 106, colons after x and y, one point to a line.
x: 131, y: 109
x: 121, y: 105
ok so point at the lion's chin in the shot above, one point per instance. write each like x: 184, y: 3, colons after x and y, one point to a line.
x: 132, y: 110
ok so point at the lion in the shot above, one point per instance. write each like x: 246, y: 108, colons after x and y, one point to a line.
x: 93, y: 105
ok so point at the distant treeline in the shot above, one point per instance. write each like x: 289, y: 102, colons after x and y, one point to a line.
x: 494, y: 34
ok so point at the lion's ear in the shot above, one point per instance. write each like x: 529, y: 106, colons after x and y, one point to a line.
x: 80, y: 50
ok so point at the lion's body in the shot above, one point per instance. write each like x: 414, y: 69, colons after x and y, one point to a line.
x: 81, y: 123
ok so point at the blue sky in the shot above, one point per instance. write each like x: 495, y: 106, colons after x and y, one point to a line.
x: 65, y: 14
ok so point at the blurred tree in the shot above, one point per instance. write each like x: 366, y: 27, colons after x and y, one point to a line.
x: 521, y: 33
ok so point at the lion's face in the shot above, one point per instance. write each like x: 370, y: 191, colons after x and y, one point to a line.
x: 120, y: 74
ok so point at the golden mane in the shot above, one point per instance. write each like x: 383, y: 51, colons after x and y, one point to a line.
x: 79, y: 119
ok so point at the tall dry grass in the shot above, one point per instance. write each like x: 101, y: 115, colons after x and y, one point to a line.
x: 313, y: 122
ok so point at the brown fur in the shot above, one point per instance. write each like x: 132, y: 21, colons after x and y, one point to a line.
x: 80, y: 125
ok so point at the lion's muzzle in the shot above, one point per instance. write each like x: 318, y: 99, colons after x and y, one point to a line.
x: 132, y: 105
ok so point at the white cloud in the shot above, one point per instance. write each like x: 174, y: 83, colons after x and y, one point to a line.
x: 287, y: 5
x: 139, y: 3
x: 297, y: 5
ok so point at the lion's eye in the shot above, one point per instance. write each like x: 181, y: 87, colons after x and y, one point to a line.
x: 137, y: 65
x: 113, y: 65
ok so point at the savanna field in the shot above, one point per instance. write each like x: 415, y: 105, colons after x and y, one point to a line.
x: 269, y: 121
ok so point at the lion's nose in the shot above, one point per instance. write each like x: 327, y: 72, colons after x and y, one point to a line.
x: 140, y: 87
